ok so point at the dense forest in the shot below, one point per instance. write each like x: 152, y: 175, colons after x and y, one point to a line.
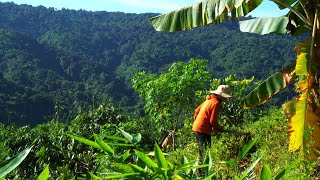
x: 53, y: 62
x: 102, y: 95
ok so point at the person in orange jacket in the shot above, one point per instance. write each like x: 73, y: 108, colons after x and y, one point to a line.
x: 206, y: 118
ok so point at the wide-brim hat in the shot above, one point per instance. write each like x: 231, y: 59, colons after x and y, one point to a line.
x: 222, y: 90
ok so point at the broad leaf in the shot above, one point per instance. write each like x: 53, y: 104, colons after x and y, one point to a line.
x: 94, y: 177
x: 44, y: 174
x: 296, y: 123
x: 245, y: 149
x: 270, y: 87
x: 203, y: 13
x: 123, y: 167
x: 289, y: 2
x: 85, y: 141
x: 313, y: 143
x: 161, y: 160
x: 303, y: 58
x: 265, y: 25
x: 265, y: 173
x: 142, y: 156
x: 126, y: 135
x: 105, y: 147
x: 7, y: 166
x: 123, y: 157
x: 117, y: 138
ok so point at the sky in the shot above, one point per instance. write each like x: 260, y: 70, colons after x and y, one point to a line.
x: 266, y: 9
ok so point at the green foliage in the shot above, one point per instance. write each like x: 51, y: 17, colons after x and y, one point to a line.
x: 7, y: 166
x: 171, y: 96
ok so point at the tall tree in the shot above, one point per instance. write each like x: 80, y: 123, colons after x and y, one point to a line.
x: 303, y: 17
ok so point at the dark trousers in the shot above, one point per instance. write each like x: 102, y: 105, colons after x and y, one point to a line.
x: 204, y: 141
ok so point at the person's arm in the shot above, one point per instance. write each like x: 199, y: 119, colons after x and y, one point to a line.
x: 196, y: 112
x: 214, y: 117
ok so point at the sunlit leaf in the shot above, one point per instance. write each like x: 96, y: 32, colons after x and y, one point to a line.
x: 313, y: 122
x: 296, y: 123
x: 270, y: 87
x: 161, y: 160
x: 123, y: 167
x: 85, y: 141
x: 7, y: 166
x: 124, y: 156
x: 94, y: 177
x: 265, y: 25
x: 303, y: 58
x: 142, y: 156
x: 44, y: 174
x: 126, y: 135
x: 245, y: 149
x: 203, y: 13
x: 265, y: 173
x: 105, y: 147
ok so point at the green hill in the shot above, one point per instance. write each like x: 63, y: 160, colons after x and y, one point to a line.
x: 57, y: 60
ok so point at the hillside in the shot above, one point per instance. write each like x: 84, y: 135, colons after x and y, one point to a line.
x: 54, y: 61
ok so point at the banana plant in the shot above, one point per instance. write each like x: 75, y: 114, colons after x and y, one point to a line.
x: 302, y: 18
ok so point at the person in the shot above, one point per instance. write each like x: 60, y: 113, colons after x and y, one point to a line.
x: 206, y: 118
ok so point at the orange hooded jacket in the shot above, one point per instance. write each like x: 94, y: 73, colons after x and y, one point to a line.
x: 206, y: 116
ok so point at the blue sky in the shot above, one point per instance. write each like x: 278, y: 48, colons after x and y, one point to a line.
x: 267, y: 9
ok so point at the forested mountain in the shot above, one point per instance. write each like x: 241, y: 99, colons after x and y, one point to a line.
x: 54, y: 61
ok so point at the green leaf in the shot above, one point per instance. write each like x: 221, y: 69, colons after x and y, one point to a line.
x: 245, y: 149
x: 162, y: 162
x: 265, y: 25
x: 126, y: 135
x: 202, y: 13
x: 7, y: 166
x: 208, y: 160
x: 85, y: 141
x: 117, y: 138
x: 265, y: 173
x: 118, y: 176
x: 121, y: 144
x: 136, y: 138
x: 123, y: 167
x: 103, y: 145
x: 287, y: 169
x: 94, y: 177
x: 44, y: 174
x: 270, y: 87
x: 184, y: 161
x: 123, y: 157
x: 152, y: 165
